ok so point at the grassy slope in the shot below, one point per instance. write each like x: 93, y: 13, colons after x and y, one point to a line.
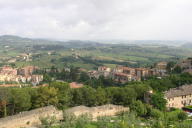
x: 136, y: 54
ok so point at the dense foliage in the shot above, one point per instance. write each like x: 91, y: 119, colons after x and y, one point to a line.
x: 99, y: 92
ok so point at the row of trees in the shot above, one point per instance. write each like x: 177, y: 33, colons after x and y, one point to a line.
x: 14, y: 100
x: 100, y: 92
x: 171, y: 81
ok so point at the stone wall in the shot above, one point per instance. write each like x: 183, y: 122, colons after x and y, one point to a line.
x: 105, y: 110
x: 30, y: 118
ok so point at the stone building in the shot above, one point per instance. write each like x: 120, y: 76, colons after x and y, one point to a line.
x: 124, y: 74
x: 142, y: 73
x: 122, y: 77
x: 27, y: 71
x: 104, y: 71
x: 179, y: 97
x: 160, y: 68
x: 104, y: 68
x: 9, y: 74
x: 7, y: 70
x: 186, y: 65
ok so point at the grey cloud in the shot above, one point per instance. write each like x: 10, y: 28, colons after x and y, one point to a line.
x: 97, y: 19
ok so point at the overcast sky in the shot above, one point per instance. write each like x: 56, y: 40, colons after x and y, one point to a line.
x: 97, y: 19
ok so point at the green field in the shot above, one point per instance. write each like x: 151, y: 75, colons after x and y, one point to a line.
x: 88, y: 55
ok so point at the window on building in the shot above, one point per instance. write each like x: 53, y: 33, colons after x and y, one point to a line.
x: 184, y: 96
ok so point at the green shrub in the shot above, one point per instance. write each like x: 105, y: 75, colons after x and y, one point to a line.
x: 182, y: 116
x: 155, y: 113
x: 139, y: 108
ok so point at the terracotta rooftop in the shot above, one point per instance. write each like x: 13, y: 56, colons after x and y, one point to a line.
x: 121, y: 74
x: 10, y: 85
x: 127, y: 68
x: 75, y: 85
x: 162, y: 63
x: 179, y: 91
x: 145, y: 69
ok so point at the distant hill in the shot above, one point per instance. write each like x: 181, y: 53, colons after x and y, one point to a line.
x: 187, y: 45
x: 16, y: 40
x: 20, y: 41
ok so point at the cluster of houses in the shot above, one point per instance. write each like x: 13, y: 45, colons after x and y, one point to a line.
x: 20, y: 75
x: 179, y: 97
x: 124, y: 74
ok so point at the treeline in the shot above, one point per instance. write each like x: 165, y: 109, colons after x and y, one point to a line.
x: 48, y: 47
x: 171, y: 81
x: 15, y: 100
x: 100, y: 62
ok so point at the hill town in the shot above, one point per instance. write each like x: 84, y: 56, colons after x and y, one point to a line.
x: 160, y: 87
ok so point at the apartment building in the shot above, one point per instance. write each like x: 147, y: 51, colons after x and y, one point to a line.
x: 179, y: 97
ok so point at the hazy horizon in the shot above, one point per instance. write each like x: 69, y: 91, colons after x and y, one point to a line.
x: 97, y: 19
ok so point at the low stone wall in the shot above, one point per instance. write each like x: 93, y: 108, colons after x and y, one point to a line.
x: 30, y: 118
x: 105, y: 110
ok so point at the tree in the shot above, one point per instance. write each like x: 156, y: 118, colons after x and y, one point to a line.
x: 74, y: 73
x: 170, y: 66
x: 4, y: 100
x: 83, y: 77
x: 139, y: 108
x: 101, y: 96
x: 121, y: 96
x: 177, y: 69
x: 158, y: 101
x: 89, y: 96
x: 140, y: 89
x: 77, y: 97
x: 64, y: 94
x: 46, y: 78
x: 20, y: 99
x: 46, y: 96
x: 155, y: 113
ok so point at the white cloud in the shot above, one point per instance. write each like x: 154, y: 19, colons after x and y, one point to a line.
x: 97, y: 19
